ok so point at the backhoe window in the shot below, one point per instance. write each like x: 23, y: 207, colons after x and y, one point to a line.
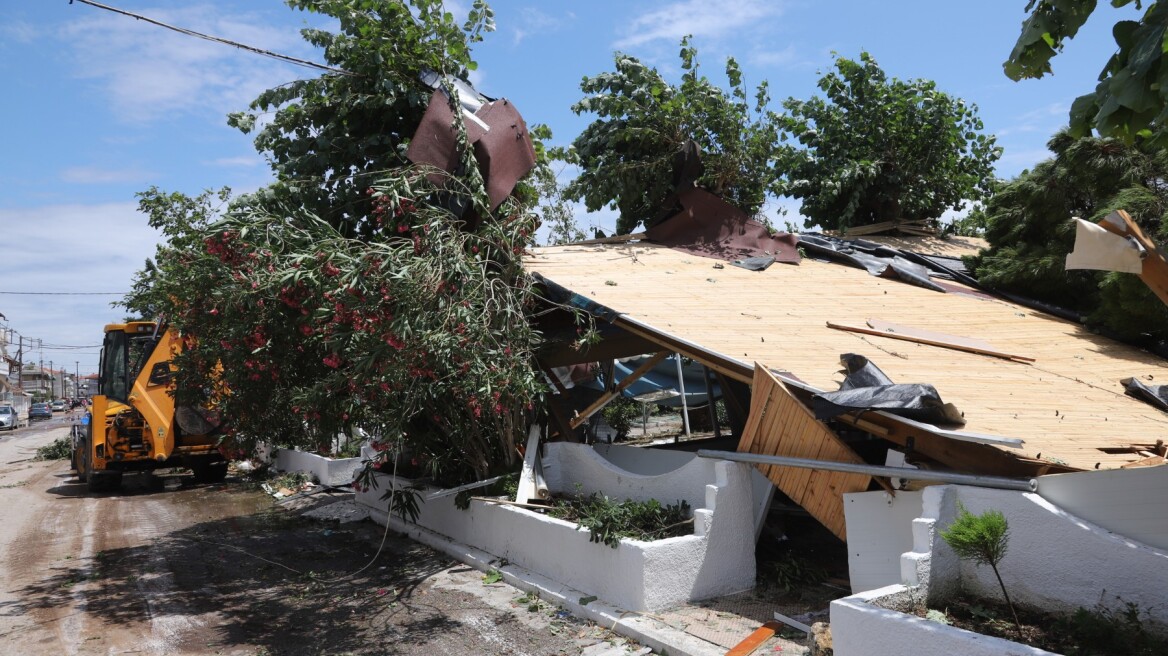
x: 115, y: 383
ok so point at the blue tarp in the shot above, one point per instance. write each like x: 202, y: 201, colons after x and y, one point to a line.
x: 660, y: 378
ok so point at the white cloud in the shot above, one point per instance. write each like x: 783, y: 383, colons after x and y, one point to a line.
x: 700, y: 18
x: 1013, y: 161
x: 535, y: 21
x: 1046, y: 120
x: 149, y: 72
x: 18, y: 31
x: 69, y: 249
x: 789, y: 57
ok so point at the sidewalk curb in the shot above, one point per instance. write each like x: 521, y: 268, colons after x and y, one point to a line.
x: 646, y: 630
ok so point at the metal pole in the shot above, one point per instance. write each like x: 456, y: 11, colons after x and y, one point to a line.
x: 710, y: 404
x: 1023, y: 484
x: 681, y: 386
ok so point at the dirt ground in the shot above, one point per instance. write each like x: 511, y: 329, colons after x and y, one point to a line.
x: 166, y: 566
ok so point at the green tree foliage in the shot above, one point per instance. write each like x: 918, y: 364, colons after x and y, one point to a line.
x: 349, y: 293
x: 880, y: 150
x: 420, y: 335
x: 181, y: 219
x: 329, y: 138
x: 628, y: 155
x: 555, y: 212
x: 1030, y: 232
x: 1131, y: 98
x: 981, y: 539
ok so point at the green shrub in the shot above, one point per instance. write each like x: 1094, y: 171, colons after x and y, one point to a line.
x: 608, y: 520
x: 620, y: 414
x: 791, y: 572
x: 60, y: 449
x: 982, y: 539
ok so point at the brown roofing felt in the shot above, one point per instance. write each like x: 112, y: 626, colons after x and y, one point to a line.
x: 711, y: 227
x: 1067, y: 405
x: 503, y: 150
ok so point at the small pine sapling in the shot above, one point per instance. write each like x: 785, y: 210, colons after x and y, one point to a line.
x: 982, y: 539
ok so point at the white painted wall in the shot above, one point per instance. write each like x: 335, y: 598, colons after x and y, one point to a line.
x: 1130, y: 502
x: 652, y: 473
x: 640, y: 576
x: 570, y: 467
x: 327, y: 471
x: 882, y: 527
x: 861, y: 625
x: 1054, y: 560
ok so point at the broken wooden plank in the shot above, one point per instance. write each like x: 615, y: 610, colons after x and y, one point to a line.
x: 755, y: 640
x: 779, y: 425
x: 1155, y: 265
x: 1153, y: 461
x: 921, y: 336
x: 616, y: 391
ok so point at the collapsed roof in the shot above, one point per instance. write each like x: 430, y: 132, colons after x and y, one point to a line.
x: 1037, y: 393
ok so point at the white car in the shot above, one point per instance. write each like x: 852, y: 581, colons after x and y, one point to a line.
x: 9, y: 419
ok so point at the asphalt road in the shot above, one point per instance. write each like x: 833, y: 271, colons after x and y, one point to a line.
x: 166, y: 566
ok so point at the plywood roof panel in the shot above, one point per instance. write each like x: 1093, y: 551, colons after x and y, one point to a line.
x: 1067, y: 405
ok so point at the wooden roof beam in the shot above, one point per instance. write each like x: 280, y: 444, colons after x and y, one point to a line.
x: 616, y: 391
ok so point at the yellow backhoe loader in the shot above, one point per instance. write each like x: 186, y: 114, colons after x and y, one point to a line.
x: 134, y: 424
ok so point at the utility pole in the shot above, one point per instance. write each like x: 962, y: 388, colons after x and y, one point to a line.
x: 76, y: 379
x: 52, y: 382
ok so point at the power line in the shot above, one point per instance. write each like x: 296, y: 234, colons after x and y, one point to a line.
x: 242, y: 46
x: 65, y: 293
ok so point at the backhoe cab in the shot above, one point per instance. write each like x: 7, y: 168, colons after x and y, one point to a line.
x: 133, y: 424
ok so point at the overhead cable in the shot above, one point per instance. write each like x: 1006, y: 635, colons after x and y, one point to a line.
x: 236, y: 44
x: 65, y: 293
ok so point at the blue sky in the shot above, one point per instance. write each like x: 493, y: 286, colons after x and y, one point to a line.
x: 99, y: 106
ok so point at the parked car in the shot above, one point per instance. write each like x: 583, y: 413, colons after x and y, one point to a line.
x: 40, y: 411
x: 9, y: 419
x: 58, y: 406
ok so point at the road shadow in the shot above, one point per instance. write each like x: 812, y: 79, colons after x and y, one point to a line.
x: 140, y: 484
x: 267, y: 579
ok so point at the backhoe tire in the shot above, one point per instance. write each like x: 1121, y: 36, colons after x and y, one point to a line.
x: 211, y: 472
x: 82, y: 464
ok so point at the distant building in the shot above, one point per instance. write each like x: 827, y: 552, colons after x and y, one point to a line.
x: 87, y: 386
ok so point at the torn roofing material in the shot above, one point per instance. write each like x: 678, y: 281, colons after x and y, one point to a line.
x: 1156, y: 395
x: 877, y: 260
x: 502, y: 146
x: 1068, y: 405
x: 711, y: 227
x: 866, y: 387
